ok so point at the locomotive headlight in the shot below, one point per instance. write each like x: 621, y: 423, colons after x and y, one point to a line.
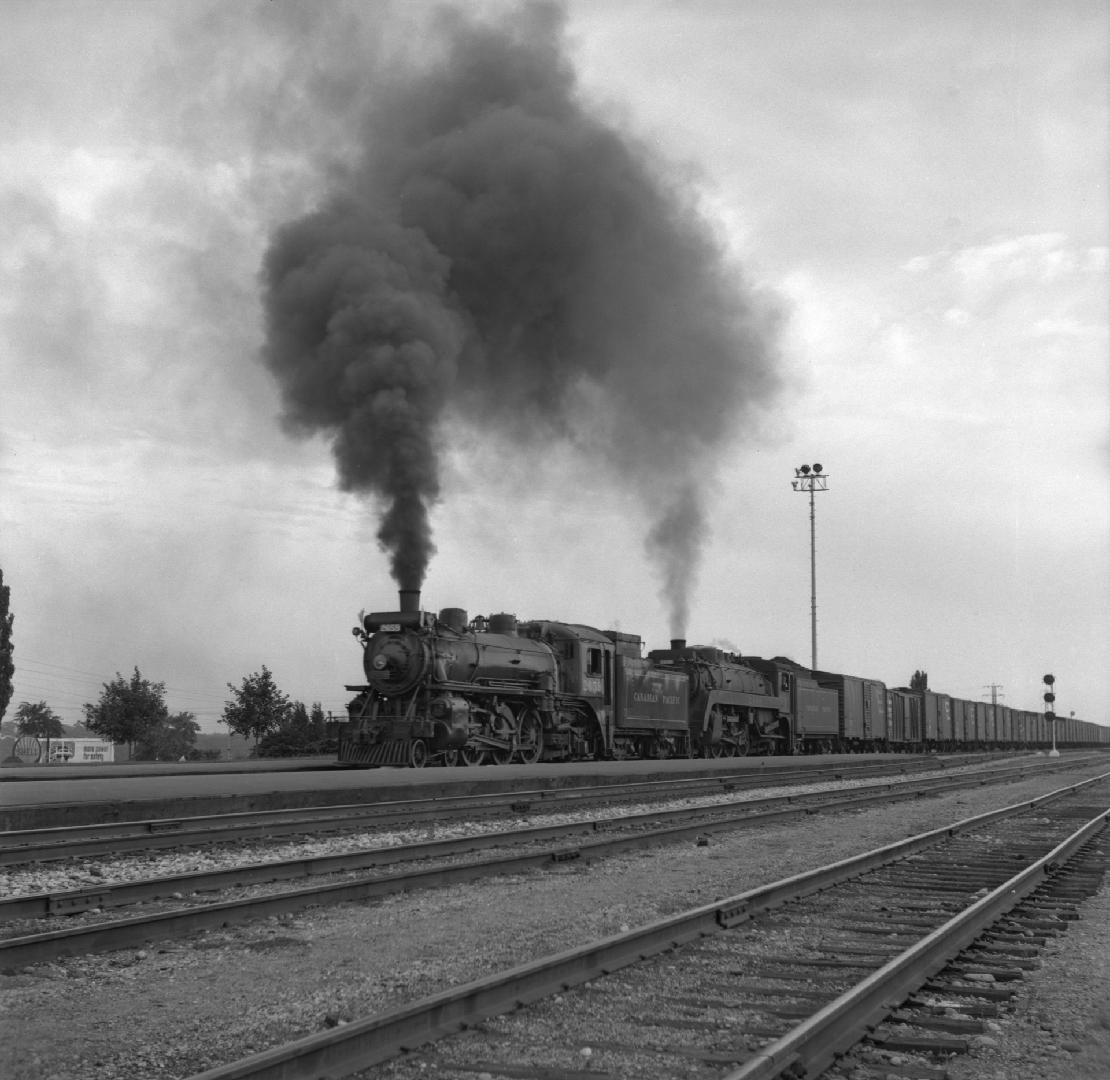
x: 380, y: 662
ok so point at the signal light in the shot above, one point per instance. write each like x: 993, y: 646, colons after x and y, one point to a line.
x: 816, y: 468
x: 805, y: 470
x: 1050, y: 679
x: 1050, y: 698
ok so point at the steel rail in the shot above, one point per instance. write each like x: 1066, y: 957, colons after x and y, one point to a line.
x: 59, y: 842
x: 815, y: 1044
x: 52, y: 844
x: 372, y: 1040
x: 721, y: 815
x: 20, y: 951
x: 713, y: 817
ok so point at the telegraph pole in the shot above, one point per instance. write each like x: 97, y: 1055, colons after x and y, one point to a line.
x: 810, y: 478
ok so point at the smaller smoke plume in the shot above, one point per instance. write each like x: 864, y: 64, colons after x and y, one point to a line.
x: 502, y: 254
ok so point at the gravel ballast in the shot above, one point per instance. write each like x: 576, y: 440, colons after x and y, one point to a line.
x: 176, y: 1009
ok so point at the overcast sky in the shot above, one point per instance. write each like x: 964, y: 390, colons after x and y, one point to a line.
x: 919, y: 189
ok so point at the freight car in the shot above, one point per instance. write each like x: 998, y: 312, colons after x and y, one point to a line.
x: 447, y: 689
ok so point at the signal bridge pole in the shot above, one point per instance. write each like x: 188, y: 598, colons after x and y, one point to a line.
x: 810, y: 478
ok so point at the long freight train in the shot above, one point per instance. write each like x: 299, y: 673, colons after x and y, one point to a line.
x: 448, y: 689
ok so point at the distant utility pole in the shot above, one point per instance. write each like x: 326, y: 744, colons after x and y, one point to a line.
x: 810, y: 478
x: 995, y: 695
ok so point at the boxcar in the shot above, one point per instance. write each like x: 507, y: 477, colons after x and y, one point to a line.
x: 945, y: 736
x: 903, y: 719
x: 861, y: 710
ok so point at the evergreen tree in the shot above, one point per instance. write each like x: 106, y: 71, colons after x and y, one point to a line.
x: 7, y: 666
x: 297, y: 723
x: 318, y: 722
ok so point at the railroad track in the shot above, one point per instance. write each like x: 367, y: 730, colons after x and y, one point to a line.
x: 49, y: 844
x: 918, y: 936
x: 24, y: 920
x: 42, y: 845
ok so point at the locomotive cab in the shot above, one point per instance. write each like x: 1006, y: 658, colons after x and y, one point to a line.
x: 620, y: 705
x: 586, y: 658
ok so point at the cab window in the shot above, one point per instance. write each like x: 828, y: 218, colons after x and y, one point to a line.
x: 593, y: 662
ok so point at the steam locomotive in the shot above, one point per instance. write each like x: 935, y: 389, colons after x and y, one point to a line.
x: 471, y: 691
x: 446, y: 689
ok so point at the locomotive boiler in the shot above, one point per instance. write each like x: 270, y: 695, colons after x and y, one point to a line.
x: 748, y: 705
x: 734, y: 709
x: 458, y: 690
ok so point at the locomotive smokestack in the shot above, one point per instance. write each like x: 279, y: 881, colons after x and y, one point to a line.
x: 410, y: 599
x: 678, y: 644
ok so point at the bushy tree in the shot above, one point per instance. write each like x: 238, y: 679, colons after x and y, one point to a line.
x: 127, y: 710
x: 7, y: 665
x: 39, y: 720
x: 169, y: 740
x: 259, y: 707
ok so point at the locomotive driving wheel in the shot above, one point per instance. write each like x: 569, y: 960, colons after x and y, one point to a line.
x: 503, y: 725
x: 418, y: 753
x: 529, y: 737
x: 473, y: 755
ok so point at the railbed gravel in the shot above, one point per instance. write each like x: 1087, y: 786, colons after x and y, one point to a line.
x: 80, y: 872
x: 95, y: 872
x: 172, y: 1010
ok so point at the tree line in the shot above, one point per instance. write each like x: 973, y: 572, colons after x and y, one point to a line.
x: 133, y: 711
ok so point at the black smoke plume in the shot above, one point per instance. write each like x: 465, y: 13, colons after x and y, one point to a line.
x: 502, y: 256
